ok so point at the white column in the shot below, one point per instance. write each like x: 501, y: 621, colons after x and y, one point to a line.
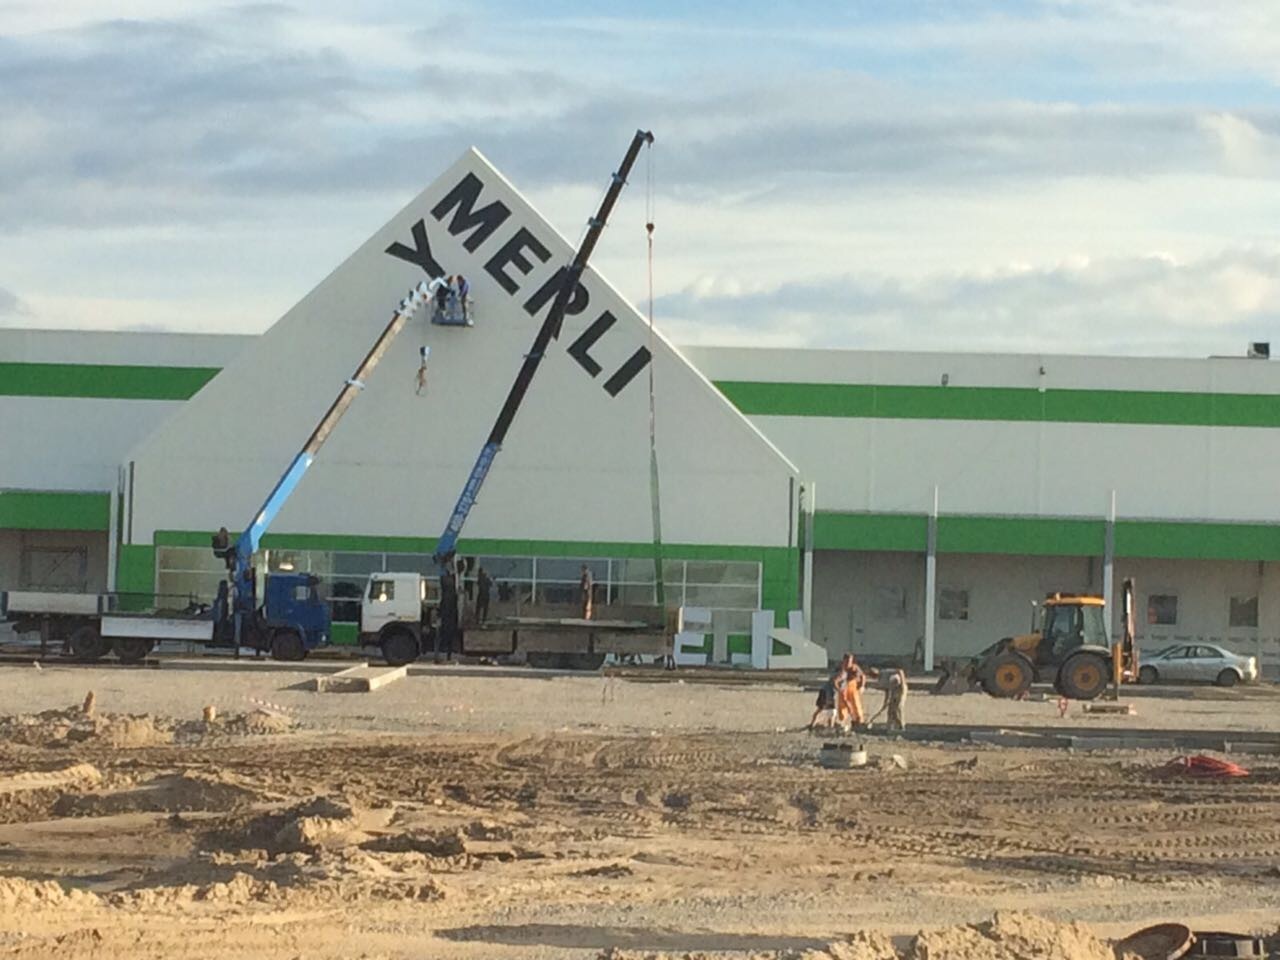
x: 1108, y: 567
x: 806, y: 597
x: 113, y: 534
x: 930, y: 582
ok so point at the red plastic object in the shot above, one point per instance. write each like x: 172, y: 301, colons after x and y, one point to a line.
x: 1204, y: 766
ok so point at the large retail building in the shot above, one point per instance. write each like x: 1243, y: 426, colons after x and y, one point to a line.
x: 912, y: 504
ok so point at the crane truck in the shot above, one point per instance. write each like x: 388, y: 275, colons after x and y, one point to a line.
x: 395, y: 612
x: 288, y: 618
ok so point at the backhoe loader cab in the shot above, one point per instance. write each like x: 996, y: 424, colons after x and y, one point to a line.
x: 1067, y: 622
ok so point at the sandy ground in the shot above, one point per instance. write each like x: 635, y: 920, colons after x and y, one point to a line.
x: 469, y: 814
x: 510, y: 700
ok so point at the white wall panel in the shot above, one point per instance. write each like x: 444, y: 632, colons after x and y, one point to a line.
x: 66, y: 443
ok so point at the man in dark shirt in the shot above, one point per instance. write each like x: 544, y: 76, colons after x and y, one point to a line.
x: 484, y: 583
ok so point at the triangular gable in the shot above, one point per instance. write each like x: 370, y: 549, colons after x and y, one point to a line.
x: 575, y: 465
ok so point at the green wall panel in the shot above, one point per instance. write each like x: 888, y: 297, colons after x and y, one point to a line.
x: 870, y: 531
x: 50, y: 510
x: 1026, y: 536
x: 1002, y: 403
x: 116, y: 381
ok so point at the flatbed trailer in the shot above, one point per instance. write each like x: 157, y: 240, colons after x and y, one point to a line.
x: 88, y: 626
x: 567, y: 642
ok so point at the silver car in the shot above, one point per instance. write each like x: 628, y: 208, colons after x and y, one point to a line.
x: 1191, y: 662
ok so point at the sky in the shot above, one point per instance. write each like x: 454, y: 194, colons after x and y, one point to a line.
x: 1082, y: 176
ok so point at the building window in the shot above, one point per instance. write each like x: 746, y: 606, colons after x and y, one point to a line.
x: 1243, y: 612
x: 890, y: 603
x: 1162, y: 608
x: 953, y: 604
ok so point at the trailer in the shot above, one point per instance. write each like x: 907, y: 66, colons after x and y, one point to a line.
x: 89, y: 626
x: 399, y: 615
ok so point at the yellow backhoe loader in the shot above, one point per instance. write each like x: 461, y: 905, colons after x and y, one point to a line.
x: 1069, y: 646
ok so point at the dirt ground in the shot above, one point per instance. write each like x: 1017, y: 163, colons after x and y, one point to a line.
x: 464, y: 815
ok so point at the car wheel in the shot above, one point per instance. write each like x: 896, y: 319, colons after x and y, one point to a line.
x: 1228, y: 678
x: 1148, y: 675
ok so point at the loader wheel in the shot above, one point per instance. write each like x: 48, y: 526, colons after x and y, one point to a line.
x: 1083, y: 677
x: 87, y: 643
x: 400, y: 647
x: 287, y: 645
x: 132, y: 649
x: 1007, y: 675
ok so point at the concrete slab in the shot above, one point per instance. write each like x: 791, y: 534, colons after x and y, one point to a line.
x: 362, y: 678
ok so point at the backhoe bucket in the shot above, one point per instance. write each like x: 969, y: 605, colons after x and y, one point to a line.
x: 955, y: 677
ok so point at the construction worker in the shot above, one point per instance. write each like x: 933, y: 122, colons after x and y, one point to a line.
x: 850, y: 710
x: 894, y: 684
x: 826, y: 703
x: 484, y: 583
x: 587, y: 586
x: 447, y: 631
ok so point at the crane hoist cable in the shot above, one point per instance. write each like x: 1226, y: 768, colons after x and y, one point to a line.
x: 655, y: 496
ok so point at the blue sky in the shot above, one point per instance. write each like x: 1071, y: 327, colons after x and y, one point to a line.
x: 1083, y: 175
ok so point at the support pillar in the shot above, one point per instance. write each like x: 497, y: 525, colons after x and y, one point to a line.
x: 930, y: 582
x: 1108, y: 567
x: 809, y: 505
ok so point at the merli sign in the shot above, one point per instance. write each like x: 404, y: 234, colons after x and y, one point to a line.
x: 509, y: 263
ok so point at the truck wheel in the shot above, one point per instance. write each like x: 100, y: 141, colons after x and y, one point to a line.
x: 132, y: 649
x: 400, y: 647
x: 1083, y: 677
x: 287, y: 645
x: 566, y: 661
x: 87, y: 643
x: 584, y: 661
x: 1007, y: 675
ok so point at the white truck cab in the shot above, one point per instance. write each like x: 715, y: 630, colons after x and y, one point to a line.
x: 394, y: 615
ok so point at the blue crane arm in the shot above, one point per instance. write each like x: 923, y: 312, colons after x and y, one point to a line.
x: 240, y: 559
x: 550, y: 329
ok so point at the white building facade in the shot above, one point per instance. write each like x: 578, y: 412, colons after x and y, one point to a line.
x: 913, y: 504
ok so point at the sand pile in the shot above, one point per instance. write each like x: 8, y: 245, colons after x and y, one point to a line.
x: 1011, y: 936
x: 258, y: 723
x: 20, y: 893
x: 1008, y: 936
x: 84, y: 724
x: 185, y: 792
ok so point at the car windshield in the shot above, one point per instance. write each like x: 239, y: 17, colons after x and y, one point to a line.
x: 1168, y: 650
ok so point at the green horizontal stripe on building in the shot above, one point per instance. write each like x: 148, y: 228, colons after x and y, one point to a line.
x: 53, y: 510
x: 852, y: 400
x: 1048, y: 536
x: 102, y: 381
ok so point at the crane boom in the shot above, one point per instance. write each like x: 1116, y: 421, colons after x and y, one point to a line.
x: 549, y: 330
x: 247, y: 544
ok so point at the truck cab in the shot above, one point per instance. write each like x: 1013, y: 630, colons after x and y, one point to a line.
x: 395, y: 616
x: 291, y: 621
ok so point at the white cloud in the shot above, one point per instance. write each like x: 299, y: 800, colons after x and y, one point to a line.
x: 1131, y: 305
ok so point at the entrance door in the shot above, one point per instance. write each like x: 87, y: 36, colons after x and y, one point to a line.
x: 61, y: 569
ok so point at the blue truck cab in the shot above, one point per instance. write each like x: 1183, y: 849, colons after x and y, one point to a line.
x: 292, y: 606
x: 291, y: 621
